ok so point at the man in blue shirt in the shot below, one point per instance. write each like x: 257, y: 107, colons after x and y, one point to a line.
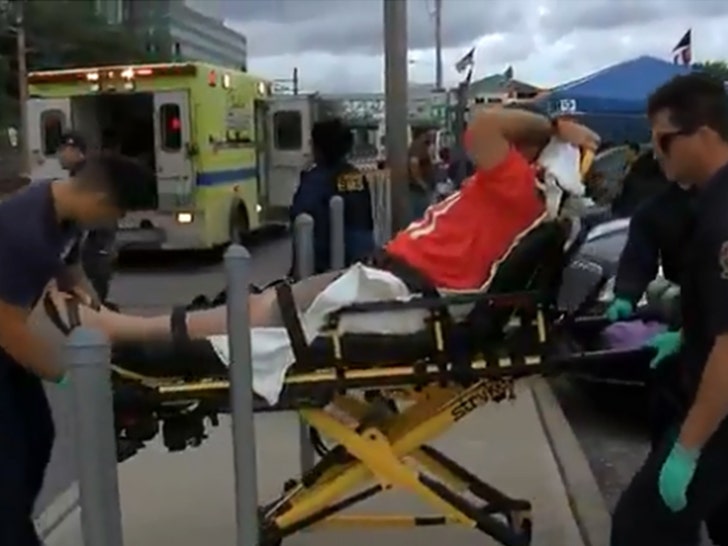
x: 684, y: 479
x: 40, y: 230
x: 333, y: 175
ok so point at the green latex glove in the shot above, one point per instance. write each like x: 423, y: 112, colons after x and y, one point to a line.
x: 667, y: 344
x: 63, y: 381
x: 619, y: 309
x: 675, y: 476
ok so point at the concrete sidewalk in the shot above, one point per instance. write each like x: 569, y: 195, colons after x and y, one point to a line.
x: 187, y: 499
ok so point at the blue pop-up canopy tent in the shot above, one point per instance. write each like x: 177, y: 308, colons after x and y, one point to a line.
x: 619, y: 89
x: 613, y: 100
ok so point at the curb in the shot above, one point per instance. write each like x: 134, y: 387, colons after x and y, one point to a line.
x: 585, y: 499
x: 58, y: 512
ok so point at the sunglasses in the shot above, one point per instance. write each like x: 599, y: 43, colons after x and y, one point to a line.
x: 666, y: 140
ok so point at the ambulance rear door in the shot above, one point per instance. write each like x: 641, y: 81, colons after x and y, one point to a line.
x: 289, y: 121
x: 175, y: 180
x: 47, y: 120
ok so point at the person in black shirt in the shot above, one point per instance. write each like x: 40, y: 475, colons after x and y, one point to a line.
x: 644, y: 180
x: 657, y: 236
x: 684, y: 480
x: 97, y: 249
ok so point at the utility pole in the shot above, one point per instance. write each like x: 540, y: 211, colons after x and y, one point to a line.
x: 295, y: 81
x: 396, y: 109
x: 438, y: 45
x: 22, y: 86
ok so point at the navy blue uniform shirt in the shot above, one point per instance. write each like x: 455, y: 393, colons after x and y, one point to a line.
x: 316, y: 188
x: 658, y: 234
x: 704, y: 294
x: 34, y: 247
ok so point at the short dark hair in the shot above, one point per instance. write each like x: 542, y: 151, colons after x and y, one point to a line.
x: 332, y: 140
x: 693, y: 100
x: 122, y: 178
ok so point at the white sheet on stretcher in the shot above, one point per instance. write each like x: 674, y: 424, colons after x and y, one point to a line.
x: 271, y: 347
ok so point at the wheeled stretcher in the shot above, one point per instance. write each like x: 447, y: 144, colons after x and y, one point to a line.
x: 382, y: 399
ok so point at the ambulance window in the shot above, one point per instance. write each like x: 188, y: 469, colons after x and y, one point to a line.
x: 171, y: 127
x: 288, y: 130
x: 52, y: 123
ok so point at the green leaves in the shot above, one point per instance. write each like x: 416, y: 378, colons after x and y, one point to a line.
x: 718, y: 69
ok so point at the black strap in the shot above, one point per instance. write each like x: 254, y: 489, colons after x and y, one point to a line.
x: 74, y: 315
x: 289, y: 315
x: 178, y: 325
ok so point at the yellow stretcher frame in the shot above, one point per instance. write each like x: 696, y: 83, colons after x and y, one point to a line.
x: 379, y: 449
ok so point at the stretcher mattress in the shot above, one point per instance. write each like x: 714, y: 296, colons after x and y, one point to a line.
x: 271, y: 347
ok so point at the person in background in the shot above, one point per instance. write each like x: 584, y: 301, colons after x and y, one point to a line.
x: 72, y: 151
x: 97, y: 250
x: 331, y: 174
x: 658, y: 233
x: 644, y: 179
x: 421, y: 177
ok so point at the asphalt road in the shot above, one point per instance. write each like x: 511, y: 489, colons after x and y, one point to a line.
x: 607, y: 423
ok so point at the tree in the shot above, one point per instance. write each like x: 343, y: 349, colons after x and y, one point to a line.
x: 717, y: 69
x: 62, y: 34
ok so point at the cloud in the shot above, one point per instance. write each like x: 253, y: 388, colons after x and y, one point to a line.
x: 337, y: 44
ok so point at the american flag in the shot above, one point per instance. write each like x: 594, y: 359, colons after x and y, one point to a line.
x: 467, y: 61
x: 682, y: 53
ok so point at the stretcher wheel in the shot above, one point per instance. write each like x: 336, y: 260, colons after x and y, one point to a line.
x: 521, y: 523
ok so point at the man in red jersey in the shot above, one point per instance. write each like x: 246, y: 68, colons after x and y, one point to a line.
x: 456, y: 246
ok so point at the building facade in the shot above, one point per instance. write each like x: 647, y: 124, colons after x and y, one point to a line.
x: 179, y: 30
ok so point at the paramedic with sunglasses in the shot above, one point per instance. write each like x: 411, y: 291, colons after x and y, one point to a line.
x: 684, y: 479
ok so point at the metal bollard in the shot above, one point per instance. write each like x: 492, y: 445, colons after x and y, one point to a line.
x: 87, y: 358
x: 338, y: 248
x: 304, y: 249
x: 237, y: 268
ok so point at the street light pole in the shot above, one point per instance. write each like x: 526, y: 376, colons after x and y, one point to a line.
x: 396, y: 109
x: 22, y: 86
x: 438, y: 45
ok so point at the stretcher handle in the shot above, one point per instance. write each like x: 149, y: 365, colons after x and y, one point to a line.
x: 581, y: 359
x: 595, y: 321
x: 527, y: 300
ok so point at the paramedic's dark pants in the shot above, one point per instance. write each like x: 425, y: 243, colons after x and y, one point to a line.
x: 26, y: 441
x: 641, y: 517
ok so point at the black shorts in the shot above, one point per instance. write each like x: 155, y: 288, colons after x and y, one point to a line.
x: 414, y: 279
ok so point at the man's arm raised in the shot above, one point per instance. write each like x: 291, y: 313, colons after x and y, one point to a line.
x: 495, y: 130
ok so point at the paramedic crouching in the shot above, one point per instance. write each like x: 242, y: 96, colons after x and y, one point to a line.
x: 684, y: 480
x: 52, y: 215
x: 331, y: 175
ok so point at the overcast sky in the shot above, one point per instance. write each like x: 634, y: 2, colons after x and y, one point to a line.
x: 337, y: 44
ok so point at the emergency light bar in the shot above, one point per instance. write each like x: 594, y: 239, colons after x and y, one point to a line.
x: 120, y: 73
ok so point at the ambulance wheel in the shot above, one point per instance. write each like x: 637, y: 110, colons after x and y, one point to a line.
x: 239, y: 224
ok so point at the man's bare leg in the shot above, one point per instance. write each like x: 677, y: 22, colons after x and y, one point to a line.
x: 263, y: 310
